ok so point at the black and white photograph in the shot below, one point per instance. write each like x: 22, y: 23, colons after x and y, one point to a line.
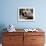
x: 26, y: 14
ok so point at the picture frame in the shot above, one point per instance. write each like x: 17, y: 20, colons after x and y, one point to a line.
x: 26, y: 14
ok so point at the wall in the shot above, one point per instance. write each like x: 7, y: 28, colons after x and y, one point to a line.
x: 9, y: 13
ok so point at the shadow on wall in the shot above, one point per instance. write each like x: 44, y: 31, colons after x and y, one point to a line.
x: 2, y: 29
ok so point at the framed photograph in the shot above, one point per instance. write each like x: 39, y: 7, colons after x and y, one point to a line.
x: 26, y: 14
